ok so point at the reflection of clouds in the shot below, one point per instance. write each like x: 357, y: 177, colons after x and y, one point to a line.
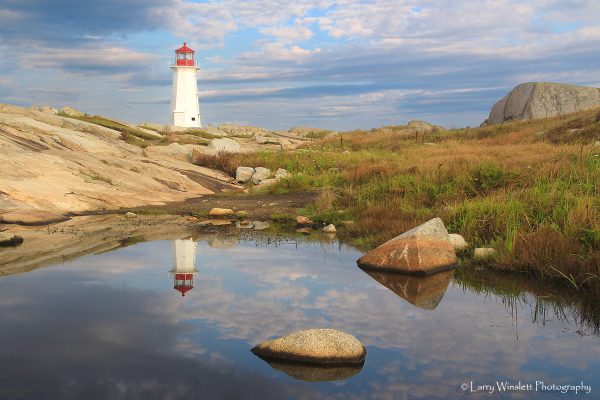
x: 248, y: 294
x: 69, y: 340
x: 463, y: 338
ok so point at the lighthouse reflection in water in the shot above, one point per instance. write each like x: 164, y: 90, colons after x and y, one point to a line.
x: 184, y: 268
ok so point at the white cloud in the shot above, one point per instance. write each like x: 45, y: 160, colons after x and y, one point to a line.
x: 298, y: 32
x: 87, y: 58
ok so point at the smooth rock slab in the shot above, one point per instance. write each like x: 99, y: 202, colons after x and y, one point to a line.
x: 422, y: 250
x: 316, y: 346
x: 32, y: 218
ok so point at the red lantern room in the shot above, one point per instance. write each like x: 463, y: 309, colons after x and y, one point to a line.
x: 183, y: 283
x: 184, y: 56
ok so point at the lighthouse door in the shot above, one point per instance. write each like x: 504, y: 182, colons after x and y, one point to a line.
x: 179, y: 118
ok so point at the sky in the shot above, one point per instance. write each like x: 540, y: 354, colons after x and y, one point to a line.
x: 334, y: 64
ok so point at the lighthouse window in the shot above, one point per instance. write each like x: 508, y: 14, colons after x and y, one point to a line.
x: 181, y: 56
x: 193, y: 119
x: 189, y: 56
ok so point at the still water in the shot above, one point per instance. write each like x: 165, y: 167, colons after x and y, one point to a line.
x: 116, y: 326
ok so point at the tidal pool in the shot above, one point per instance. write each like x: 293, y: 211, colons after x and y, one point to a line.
x: 176, y: 319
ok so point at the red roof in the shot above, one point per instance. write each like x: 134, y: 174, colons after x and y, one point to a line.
x: 187, y: 284
x: 184, y: 49
x: 183, y: 289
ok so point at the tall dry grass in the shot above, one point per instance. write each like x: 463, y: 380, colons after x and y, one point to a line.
x: 534, y: 198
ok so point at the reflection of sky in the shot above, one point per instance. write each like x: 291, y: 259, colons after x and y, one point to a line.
x: 111, y: 326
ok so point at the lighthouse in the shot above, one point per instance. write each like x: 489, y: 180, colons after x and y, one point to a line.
x: 184, y: 270
x: 185, y: 109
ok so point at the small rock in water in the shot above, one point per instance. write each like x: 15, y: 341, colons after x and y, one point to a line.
x: 244, y: 225
x: 317, y: 346
x: 458, y: 242
x: 9, y: 239
x: 260, y: 225
x: 422, y: 250
x: 130, y: 215
x: 221, y: 212
x: 484, y: 253
x: 242, y: 214
x: 192, y: 219
x: 329, y: 229
x: 301, y: 220
x: 305, y: 231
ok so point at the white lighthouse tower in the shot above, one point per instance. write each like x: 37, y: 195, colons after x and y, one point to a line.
x: 184, y: 270
x: 185, y: 109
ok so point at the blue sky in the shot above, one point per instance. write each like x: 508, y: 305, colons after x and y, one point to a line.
x: 335, y: 64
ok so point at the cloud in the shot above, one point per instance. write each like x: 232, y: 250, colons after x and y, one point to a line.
x: 71, y: 22
x: 323, y: 50
x: 298, y: 32
x: 107, y: 60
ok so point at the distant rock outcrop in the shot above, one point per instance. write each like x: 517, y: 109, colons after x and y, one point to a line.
x: 243, y: 130
x: 423, y: 127
x: 542, y: 99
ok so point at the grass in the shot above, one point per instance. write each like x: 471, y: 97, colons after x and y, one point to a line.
x: 199, y: 132
x: 129, y: 134
x: 534, y: 197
